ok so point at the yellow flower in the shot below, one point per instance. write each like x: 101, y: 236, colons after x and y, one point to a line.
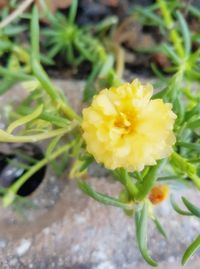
x: 124, y: 128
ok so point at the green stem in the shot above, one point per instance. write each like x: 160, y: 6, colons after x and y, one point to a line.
x: 174, y: 36
x: 44, y: 80
x: 130, y: 186
x: 10, y: 195
x: 73, y: 11
x: 54, y: 119
x: 190, y: 250
x: 6, y: 84
x: 68, y: 111
x: 40, y: 73
x: 15, y: 75
x: 52, y: 91
x: 195, y: 179
x: 35, y: 52
x: 70, y: 54
x: 8, y: 138
x: 186, y: 167
x: 148, y: 181
x: 124, y: 178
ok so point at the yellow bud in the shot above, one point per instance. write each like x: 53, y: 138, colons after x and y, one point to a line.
x: 158, y: 194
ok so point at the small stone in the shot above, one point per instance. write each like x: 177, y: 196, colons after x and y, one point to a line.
x: 79, y: 219
x: 99, y: 255
x: 2, y: 125
x: 13, y: 262
x: 23, y: 247
x: 3, y: 243
x: 55, y: 190
x: 46, y: 231
x: 75, y: 248
x: 52, y: 179
x: 60, y: 262
x: 195, y: 223
x: 171, y: 259
x: 105, y: 265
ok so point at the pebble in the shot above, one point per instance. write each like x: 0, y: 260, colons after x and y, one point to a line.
x: 23, y: 247
x: 2, y: 125
x: 46, y: 231
x: 105, y: 265
x: 3, y: 243
x: 171, y: 259
x: 13, y: 262
x: 79, y: 219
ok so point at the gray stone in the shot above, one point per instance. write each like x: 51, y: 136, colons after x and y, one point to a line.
x: 23, y: 247
x: 3, y: 243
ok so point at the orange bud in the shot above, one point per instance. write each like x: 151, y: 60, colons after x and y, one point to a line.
x: 158, y: 194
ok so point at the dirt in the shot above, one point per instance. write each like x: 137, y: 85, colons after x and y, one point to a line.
x: 68, y: 230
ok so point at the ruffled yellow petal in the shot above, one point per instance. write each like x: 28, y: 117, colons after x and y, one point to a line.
x: 123, y: 127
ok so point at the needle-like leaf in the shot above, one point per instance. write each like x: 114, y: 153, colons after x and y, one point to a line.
x: 191, y: 250
x: 141, y: 221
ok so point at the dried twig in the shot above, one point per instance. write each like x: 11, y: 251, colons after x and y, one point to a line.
x: 16, y: 13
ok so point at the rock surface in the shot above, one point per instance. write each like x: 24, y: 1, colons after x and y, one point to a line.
x: 70, y: 231
x: 80, y: 233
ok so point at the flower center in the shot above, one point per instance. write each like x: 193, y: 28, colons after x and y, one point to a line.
x: 126, y: 121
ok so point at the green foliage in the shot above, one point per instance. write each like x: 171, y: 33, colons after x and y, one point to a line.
x: 141, y: 222
x: 160, y: 227
x: 193, y: 210
x: 103, y: 198
x: 176, y: 32
x: 178, y: 210
x: 191, y: 250
x: 66, y: 37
